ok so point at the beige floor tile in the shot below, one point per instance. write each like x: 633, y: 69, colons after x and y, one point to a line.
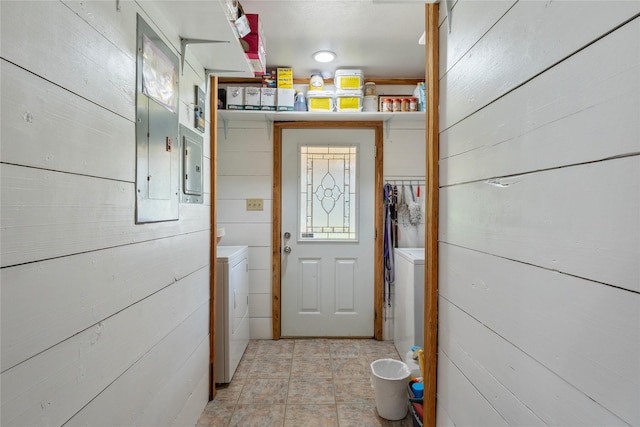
x: 273, y: 367
x: 354, y: 390
x: 312, y: 347
x: 362, y: 415
x: 262, y: 390
x: 216, y: 414
x: 251, y: 350
x: 307, y: 366
x: 304, y: 391
x: 258, y: 415
x: 306, y: 383
x: 346, y: 348
x: 229, y: 392
x: 242, y: 371
x: 350, y: 367
x: 311, y: 416
x: 381, y: 350
x: 275, y: 348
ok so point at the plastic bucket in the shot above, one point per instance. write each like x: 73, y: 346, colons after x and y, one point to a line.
x: 389, y: 378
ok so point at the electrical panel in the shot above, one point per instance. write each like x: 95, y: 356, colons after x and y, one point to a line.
x: 157, y: 138
x: 192, y: 173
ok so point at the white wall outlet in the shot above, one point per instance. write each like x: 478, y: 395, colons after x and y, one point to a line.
x: 255, y: 204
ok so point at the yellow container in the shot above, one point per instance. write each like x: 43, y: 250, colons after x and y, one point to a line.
x: 348, y: 79
x: 320, y: 100
x: 349, y: 101
x: 285, y: 78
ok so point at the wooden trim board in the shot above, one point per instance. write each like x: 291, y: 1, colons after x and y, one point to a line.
x: 213, y: 139
x: 431, y: 228
x: 305, y: 81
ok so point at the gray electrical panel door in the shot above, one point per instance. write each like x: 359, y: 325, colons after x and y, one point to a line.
x: 157, y: 138
x: 192, y: 166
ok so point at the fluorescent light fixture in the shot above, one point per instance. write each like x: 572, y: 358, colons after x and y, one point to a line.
x: 324, y: 56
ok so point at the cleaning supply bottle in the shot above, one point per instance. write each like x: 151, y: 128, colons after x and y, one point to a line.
x: 420, y: 93
x: 316, y: 82
x: 299, y: 103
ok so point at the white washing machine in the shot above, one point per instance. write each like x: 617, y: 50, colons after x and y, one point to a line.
x: 408, y: 306
x: 232, y: 310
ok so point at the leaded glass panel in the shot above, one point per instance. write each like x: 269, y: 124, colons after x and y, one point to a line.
x: 328, y: 196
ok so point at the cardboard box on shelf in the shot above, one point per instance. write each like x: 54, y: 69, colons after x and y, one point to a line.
x: 255, y: 24
x: 269, y: 78
x: 254, y: 45
x: 285, y: 78
x: 251, y: 98
x: 285, y: 99
x: 235, y: 98
x: 268, y: 98
x: 258, y: 63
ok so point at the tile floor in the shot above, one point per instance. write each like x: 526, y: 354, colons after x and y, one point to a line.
x: 302, y: 383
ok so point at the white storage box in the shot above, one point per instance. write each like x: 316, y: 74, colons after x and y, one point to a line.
x: 286, y: 99
x: 268, y: 98
x: 235, y: 98
x: 252, y: 98
x: 321, y: 100
x: 349, y: 101
x: 348, y: 80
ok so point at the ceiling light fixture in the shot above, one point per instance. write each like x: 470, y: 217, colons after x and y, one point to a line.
x: 324, y: 56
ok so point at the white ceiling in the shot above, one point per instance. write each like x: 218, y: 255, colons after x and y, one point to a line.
x: 380, y: 37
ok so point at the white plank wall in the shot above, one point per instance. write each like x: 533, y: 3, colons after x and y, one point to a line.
x: 103, y: 322
x: 160, y: 374
x: 245, y: 170
x: 119, y: 277
x: 527, y: 39
x: 539, y: 288
x: 579, y: 220
x: 559, y: 117
x: 560, y: 343
x: 34, y: 108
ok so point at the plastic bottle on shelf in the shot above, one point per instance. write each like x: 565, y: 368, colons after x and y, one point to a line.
x: 299, y: 104
x: 420, y: 94
x: 316, y: 82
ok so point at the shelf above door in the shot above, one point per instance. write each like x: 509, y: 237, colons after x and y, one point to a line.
x: 206, y: 32
x: 298, y: 116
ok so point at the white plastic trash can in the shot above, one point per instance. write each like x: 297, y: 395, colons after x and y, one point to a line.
x: 389, y: 378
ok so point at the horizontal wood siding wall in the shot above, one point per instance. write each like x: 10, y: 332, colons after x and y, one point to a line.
x: 245, y: 171
x: 539, y: 288
x: 103, y: 321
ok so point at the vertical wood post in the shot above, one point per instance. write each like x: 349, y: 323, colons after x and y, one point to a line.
x: 276, y: 236
x: 431, y: 228
x: 213, y: 140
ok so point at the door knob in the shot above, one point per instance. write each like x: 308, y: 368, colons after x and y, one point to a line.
x: 287, y: 249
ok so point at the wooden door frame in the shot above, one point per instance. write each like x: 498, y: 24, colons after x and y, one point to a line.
x: 432, y: 45
x: 276, y: 242
x: 213, y: 256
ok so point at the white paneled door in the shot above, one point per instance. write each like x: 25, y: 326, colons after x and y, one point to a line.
x: 327, y: 281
